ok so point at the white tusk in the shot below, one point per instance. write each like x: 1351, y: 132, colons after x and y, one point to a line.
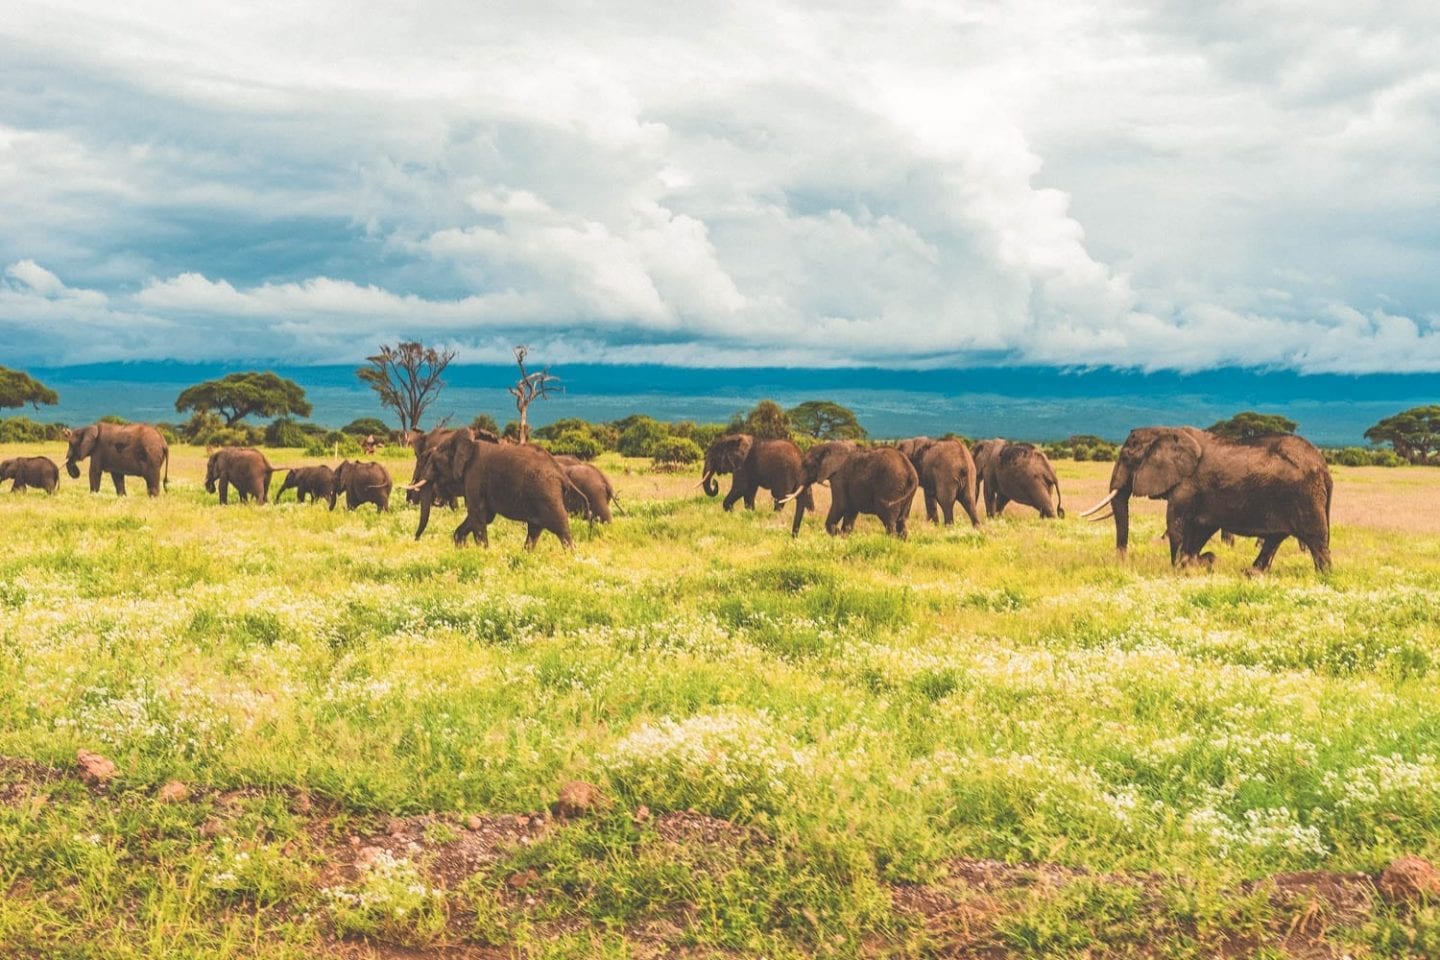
x: 412, y: 486
x: 1101, y: 504
x: 792, y: 496
x: 1107, y: 516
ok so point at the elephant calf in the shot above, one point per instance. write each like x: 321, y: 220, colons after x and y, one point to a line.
x: 29, y: 472
x: 244, y: 468
x: 318, y: 483
x: 1018, y: 472
x: 880, y: 481
x: 363, y: 483
x: 947, y: 476
x: 595, y: 492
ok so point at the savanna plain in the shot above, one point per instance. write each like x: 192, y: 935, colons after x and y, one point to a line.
x: 331, y: 740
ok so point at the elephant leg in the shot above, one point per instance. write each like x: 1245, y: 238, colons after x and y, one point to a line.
x: 1195, y: 536
x: 532, y: 534
x: 1268, y: 546
x: 224, y: 491
x: 967, y: 503
x: 1001, y: 501
x: 153, y: 484
x: 734, y: 495
x: 118, y: 478
x: 847, y: 526
x: 1319, y: 548
x: 931, y: 513
x: 833, y: 518
x: 95, y: 474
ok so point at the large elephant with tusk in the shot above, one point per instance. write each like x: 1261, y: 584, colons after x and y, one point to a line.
x: 880, y: 481
x: 1269, y: 487
x: 774, y: 465
x: 442, y: 491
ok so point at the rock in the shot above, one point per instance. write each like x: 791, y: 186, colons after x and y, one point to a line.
x: 1409, y: 879
x: 94, y: 768
x: 474, y: 823
x: 577, y: 798
x: 174, y: 792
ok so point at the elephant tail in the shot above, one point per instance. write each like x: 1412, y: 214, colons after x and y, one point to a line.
x: 165, y: 483
x: 1059, y: 504
x: 570, y: 486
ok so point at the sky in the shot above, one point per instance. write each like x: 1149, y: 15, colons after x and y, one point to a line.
x: 1155, y: 184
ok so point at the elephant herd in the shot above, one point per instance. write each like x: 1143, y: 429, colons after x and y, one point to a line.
x: 1270, y: 487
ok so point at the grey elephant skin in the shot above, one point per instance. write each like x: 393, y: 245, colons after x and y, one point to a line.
x: 773, y: 465
x: 947, y: 476
x: 1270, y: 488
x: 243, y: 468
x: 1018, y: 473
x: 516, y: 481
x: 363, y: 483
x: 591, y: 481
x: 121, y: 450
x: 317, y: 483
x: 880, y: 481
x: 29, y: 472
x: 442, y: 490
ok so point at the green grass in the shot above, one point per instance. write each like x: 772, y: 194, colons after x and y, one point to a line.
x: 867, y: 710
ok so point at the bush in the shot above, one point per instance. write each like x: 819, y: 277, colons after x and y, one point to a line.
x: 169, y: 431
x: 366, y: 426
x: 1363, y: 457
x: 642, y: 437
x: 326, y: 446
x: 238, y: 436
x: 112, y: 418
x: 22, y: 430
x: 675, y: 451
x: 577, y: 443
x: 285, y: 432
x: 483, y: 421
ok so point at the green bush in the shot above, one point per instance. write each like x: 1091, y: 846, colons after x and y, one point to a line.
x: 366, y: 426
x: 238, y: 436
x: 327, y: 445
x: 1363, y: 457
x: 112, y: 418
x: 169, y: 431
x: 285, y: 432
x: 576, y: 443
x: 483, y: 421
x: 642, y: 437
x: 22, y: 430
x: 674, y: 451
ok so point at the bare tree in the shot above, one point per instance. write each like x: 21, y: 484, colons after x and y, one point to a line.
x: 529, y: 388
x: 407, y: 378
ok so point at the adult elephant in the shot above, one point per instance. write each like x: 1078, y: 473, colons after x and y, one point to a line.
x: 29, y: 472
x: 363, y: 483
x: 121, y: 450
x: 947, y: 476
x: 590, y: 481
x: 880, y: 481
x: 442, y: 491
x: 517, y: 481
x: 774, y: 465
x: 317, y: 483
x: 1019, y: 473
x: 243, y: 468
x: 1269, y: 487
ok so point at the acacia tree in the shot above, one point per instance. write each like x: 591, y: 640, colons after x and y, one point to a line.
x: 1414, y: 433
x: 826, y: 420
x: 407, y: 378
x: 529, y: 388
x: 238, y: 395
x: 18, y: 388
x: 767, y: 421
x: 1249, y: 424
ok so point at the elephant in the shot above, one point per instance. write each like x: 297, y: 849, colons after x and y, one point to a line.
x: 1020, y: 472
x: 442, y: 491
x: 121, y: 450
x: 1269, y: 487
x: 947, y: 475
x: 318, y: 483
x: 772, y: 464
x: 245, y: 468
x: 363, y: 483
x: 880, y: 481
x: 517, y: 481
x: 30, y: 472
x: 592, y: 482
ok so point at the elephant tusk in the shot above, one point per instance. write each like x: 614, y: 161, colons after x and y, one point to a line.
x: 417, y: 486
x: 1107, y: 516
x: 792, y: 496
x: 1103, y: 503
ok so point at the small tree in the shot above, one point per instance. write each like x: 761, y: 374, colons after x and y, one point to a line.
x: 826, y: 420
x: 767, y: 421
x: 407, y: 378
x: 641, y: 437
x: 1248, y: 425
x: 1414, y: 433
x: 483, y: 421
x: 238, y: 395
x: 366, y: 426
x: 529, y: 388
x: 18, y: 388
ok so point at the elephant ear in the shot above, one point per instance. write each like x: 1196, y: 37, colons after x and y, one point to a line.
x: 88, y: 438
x: 733, y: 452
x: 1171, y: 458
x: 462, y: 452
x: 829, y: 458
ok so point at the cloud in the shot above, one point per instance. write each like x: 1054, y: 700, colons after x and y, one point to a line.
x: 1125, y: 183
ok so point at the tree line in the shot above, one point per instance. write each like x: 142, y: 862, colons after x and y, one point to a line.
x: 407, y: 379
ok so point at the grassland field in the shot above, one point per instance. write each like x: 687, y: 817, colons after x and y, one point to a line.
x: 995, y: 743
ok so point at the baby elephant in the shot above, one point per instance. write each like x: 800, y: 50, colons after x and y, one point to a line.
x: 244, y: 468
x: 363, y: 483
x: 593, y: 491
x: 30, y: 472
x: 318, y: 483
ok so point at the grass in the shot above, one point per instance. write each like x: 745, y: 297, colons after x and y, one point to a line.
x: 794, y: 736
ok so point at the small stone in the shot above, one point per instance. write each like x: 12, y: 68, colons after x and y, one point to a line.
x: 1410, y: 879
x: 473, y: 822
x: 174, y: 792
x: 523, y: 879
x: 642, y: 814
x: 94, y: 768
x: 211, y: 828
x: 577, y: 798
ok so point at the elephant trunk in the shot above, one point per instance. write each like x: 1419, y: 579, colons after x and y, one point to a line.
x: 72, y: 468
x: 707, y: 482
x: 1121, y: 506
x: 802, y: 500
x: 427, y: 497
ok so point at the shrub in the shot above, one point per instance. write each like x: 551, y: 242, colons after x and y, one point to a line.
x: 1363, y: 457
x: 642, y: 437
x: 22, y: 430
x: 674, y: 451
x: 169, y: 431
x: 577, y: 443
x: 239, y: 436
x: 326, y: 445
x: 366, y: 426
x: 285, y: 432
x: 483, y: 421
x: 112, y: 418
